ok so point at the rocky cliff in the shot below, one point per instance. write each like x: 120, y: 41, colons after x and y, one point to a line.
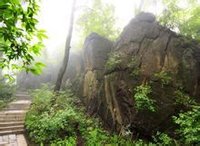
x: 145, y: 55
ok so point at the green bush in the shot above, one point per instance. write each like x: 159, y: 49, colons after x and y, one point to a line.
x: 59, y: 122
x: 183, y: 99
x: 142, y: 99
x: 41, y: 100
x: 163, y: 139
x: 70, y: 141
x: 6, y: 90
x: 113, y: 61
x: 133, y: 65
x: 164, y: 77
x: 51, y: 126
x: 189, y: 125
x: 46, y: 121
x: 2, y: 104
x: 6, y: 93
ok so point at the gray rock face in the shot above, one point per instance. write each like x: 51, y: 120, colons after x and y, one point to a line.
x: 96, y: 49
x: 147, y: 17
x: 145, y: 48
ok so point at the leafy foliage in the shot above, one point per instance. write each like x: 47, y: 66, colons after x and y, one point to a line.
x: 41, y: 101
x: 185, y: 19
x: 183, y: 99
x: 189, y: 127
x: 19, y: 38
x: 142, y: 100
x: 70, y: 141
x: 113, y: 61
x: 162, y: 139
x: 133, y: 65
x: 60, y: 122
x: 164, y: 77
x: 100, y: 19
x: 6, y: 93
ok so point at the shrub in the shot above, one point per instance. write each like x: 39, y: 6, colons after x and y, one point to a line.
x: 189, y: 127
x: 2, y: 104
x: 133, y: 65
x: 51, y: 126
x: 162, y: 139
x: 142, y: 100
x: 6, y: 93
x: 41, y: 100
x: 183, y: 99
x: 59, y: 122
x: 45, y: 121
x: 6, y: 90
x: 164, y: 77
x: 113, y: 61
x: 70, y: 141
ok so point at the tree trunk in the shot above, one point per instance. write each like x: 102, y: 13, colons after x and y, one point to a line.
x: 140, y: 7
x: 67, y: 50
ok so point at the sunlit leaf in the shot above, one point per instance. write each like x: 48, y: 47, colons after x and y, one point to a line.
x: 16, y: 41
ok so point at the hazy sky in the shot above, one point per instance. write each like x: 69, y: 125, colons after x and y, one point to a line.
x: 54, y: 16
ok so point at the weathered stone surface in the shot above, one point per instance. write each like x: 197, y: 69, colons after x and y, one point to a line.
x: 96, y: 49
x: 147, y: 48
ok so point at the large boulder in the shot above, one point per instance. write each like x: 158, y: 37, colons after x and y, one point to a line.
x: 146, y: 53
x: 155, y: 48
x: 96, y: 50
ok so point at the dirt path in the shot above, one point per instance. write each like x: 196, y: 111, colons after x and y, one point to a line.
x: 12, y: 121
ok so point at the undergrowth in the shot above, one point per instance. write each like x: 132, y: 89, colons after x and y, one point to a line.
x: 6, y: 93
x: 189, y: 127
x: 64, y: 122
x: 113, y: 61
x: 142, y: 99
x: 60, y: 119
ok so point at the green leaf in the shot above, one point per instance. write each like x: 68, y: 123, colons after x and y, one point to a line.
x: 15, y: 40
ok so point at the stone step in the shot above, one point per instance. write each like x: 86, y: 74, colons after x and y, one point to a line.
x: 19, y: 105
x: 12, y: 118
x: 23, y: 97
x: 12, y: 112
x: 15, y: 123
x: 21, y: 102
x: 11, y: 138
x: 22, y: 94
x: 11, y: 128
x: 21, y: 141
x: 4, y: 143
x: 11, y: 115
x: 12, y: 121
x: 20, y: 131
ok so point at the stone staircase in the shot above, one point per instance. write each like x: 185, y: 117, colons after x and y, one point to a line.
x: 12, y: 121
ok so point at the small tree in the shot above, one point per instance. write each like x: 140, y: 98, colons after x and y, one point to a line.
x: 67, y: 50
x: 185, y: 19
